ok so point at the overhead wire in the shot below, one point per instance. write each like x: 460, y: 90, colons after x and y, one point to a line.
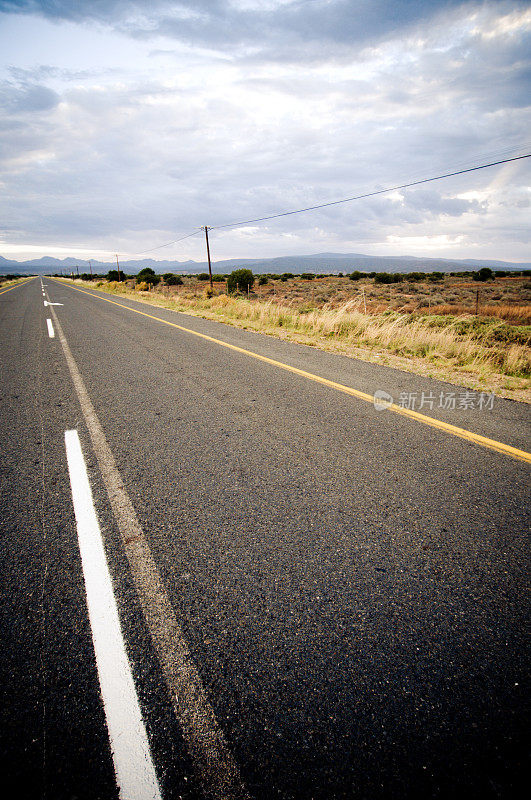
x: 369, y: 194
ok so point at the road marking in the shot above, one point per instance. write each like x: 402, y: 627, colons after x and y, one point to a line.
x: 454, y: 430
x: 214, y: 765
x: 51, y: 332
x: 47, y: 303
x: 16, y: 285
x: 135, y: 773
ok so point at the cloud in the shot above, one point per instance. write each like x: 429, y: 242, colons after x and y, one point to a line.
x: 210, y: 112
x: 27, y: 98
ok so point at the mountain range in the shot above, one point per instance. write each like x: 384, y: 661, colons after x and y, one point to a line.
x: 318, y: 263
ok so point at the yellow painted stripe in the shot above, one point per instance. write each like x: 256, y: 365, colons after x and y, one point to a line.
x: 475, y: 438
x: 17, y: 284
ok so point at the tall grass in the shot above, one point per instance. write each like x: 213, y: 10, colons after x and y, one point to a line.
x: 461, y: 342
x: 485, y: 347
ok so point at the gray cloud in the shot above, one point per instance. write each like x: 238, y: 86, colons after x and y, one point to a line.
x: 26, y: 98
x: 133, y: 156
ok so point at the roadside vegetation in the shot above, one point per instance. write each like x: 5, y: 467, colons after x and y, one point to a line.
x: 472, y: 329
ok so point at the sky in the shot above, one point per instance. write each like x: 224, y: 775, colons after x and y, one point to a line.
x: 126, y: 125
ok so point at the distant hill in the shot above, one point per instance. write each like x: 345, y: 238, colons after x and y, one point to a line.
x: 318, y: 263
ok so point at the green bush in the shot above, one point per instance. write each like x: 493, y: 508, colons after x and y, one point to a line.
x: 114, y: 275
x: 356, y: 275
x: 240, y: 279
x: 262, y: 280
x: 203, y: 276
x: 387, y: 277
x: 147, y: 275
x: 307, y: 276
x: 172, y: 280
x: 484, y: 274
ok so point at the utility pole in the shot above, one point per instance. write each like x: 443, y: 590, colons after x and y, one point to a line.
x: 118, y: 265
x: 208, y: 256
x: 77, y: 267
x: 90, y: 265
x: 477, y: 302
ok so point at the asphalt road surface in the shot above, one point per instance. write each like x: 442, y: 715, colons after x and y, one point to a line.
x: 314, y: 598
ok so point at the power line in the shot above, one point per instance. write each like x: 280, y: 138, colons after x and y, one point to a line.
x: 181, y: 239
x: 369, y: 194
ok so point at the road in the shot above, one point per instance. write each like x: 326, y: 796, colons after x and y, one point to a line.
x: 316, y: 598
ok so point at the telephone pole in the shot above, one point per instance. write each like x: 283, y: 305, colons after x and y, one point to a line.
x: 118, y: 265
x: 208, y: 256
x: 90, y: 265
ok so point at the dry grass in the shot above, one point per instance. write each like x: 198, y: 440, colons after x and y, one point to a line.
x: 484, y: 353
x: 519, y: 314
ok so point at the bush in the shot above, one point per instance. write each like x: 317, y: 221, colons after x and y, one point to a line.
x: 387, y: 277
x: 203, y: 276
x: 262, y: 280
x: 286, y: 275
x: 240, y: 279
x: 147, y: 275
x: 484, y: 274
x: 356, y: 275
x: 307, y: 276
x: 172, y: 280
x: 114, y: 275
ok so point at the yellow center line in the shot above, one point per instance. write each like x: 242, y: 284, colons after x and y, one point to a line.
x: 476, y: 438
x: 17, y: 284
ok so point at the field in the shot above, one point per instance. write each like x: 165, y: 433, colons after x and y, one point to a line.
x: 429, y: 327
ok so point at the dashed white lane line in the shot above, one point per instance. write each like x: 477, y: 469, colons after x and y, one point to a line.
x: 135, y: 773
x: 51, y: 332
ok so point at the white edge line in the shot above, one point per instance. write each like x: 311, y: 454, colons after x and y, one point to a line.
x: 135, y: 773
x: 51, y: 332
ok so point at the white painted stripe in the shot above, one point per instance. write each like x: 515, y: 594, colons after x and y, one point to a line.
x: 214, y: 764
x: 135, y: 773
x: 51, y: 332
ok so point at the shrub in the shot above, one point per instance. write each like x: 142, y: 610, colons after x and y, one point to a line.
x: 287, y: 275
x: 203, y: 276
x: 142, y: 286
x: 114, y: 275
x: 387, y: 277
x: 356, y: 275
x: 307, y: 276
x: 484, y: 274
x: 262, y: 280
x: 147, y: 275
x: 241, y: 279
x: 172, y: 280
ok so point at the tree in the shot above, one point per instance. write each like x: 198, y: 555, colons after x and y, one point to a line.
x: 240, y: 279
x: 484, y: 274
